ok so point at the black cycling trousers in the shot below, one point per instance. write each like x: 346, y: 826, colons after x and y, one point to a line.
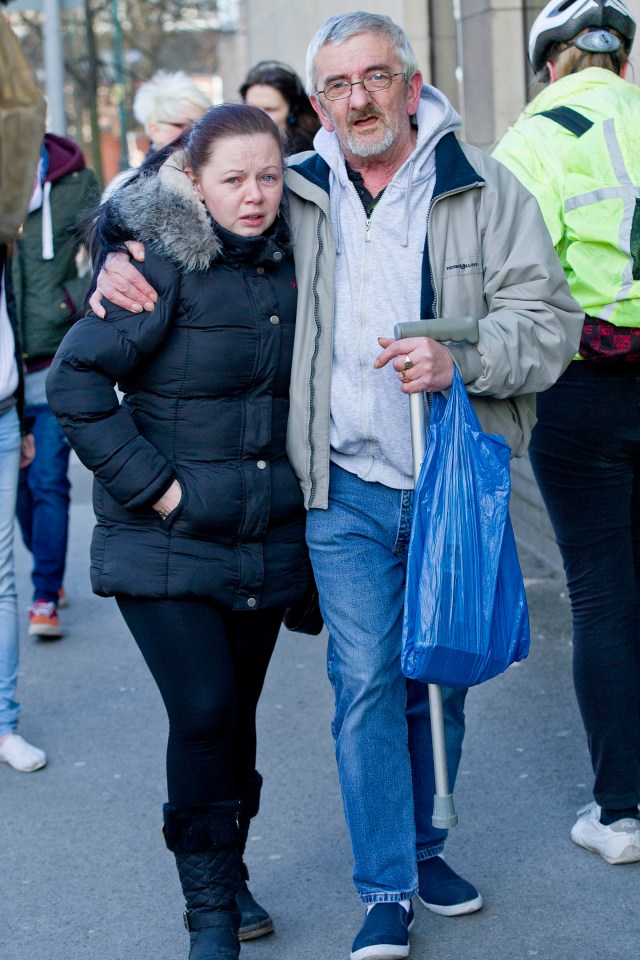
x: 585, y: 453
x: 209, y: 664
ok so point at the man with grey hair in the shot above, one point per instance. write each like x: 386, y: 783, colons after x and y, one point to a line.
x: 394, y: 220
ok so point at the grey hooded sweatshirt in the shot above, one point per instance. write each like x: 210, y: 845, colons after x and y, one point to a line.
x: 378, y: 284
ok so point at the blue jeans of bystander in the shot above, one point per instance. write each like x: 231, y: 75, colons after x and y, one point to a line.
x: 43, y: 500
x: 381, y: 726
x: 9, y: 466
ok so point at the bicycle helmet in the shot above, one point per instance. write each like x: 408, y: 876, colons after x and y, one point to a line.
x: 562, y: 20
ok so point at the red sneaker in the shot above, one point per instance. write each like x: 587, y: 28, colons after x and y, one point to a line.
x: 44, y: 621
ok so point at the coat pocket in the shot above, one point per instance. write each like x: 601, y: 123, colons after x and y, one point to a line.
x: 213, y: 502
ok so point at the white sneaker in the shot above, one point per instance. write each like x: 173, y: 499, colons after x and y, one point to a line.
x: 617, y: 843
x: 21, y: 755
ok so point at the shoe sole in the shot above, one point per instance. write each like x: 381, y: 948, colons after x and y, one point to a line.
x: 252, y: 932
x: 48, y: 633
x: 381, y: 951
x: 629, y: 854
x: 455, y: 909
x: 38, y: 766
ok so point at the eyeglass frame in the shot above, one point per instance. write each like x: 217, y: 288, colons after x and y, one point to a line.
x: 354, y: 83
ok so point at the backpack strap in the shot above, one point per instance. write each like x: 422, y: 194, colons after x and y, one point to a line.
x: 568, y: 118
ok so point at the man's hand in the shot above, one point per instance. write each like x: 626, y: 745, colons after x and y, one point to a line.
x: 421, y: 363
x: 27, y: 450
x: 121, y: 284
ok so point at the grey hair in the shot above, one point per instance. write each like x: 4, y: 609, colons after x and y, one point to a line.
x: 166, y: 93
x: 347, y: 25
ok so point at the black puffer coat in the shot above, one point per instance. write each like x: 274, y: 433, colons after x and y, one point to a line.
x: 206, y: 384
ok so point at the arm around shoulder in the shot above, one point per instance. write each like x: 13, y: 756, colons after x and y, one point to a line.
x: 92, y: 357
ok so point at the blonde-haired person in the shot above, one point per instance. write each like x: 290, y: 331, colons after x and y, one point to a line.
x: 585, y: 450
x: 167, y: 105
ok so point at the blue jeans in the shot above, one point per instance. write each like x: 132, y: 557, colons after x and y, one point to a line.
x: 43, y: 502
x: 585, y: 453
x: 9, y: 466
x: 381, y: 726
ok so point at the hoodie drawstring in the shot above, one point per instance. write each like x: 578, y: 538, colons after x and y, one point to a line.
x: 47, y: 223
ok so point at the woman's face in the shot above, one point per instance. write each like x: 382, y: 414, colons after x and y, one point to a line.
x: 241, y: 183
x: 270, y: 100
x: 162, y: 132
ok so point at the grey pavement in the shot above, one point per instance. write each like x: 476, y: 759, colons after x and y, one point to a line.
x: 84, y: 874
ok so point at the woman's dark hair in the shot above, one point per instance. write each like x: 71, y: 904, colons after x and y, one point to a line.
x: 223, y: 122
x: 302, y: 121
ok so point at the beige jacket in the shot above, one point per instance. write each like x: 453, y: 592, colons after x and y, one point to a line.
x: 488, y: 255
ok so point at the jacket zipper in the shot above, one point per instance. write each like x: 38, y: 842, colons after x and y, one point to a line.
x: 316, y: 317
x: 365, y: 273
x: 434, y: 200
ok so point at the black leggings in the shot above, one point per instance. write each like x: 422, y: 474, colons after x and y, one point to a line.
x: 209, y: 664
x: 585, y: 452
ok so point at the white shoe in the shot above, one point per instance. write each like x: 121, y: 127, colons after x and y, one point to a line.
x: 21, y: 755
x: 617, y: 843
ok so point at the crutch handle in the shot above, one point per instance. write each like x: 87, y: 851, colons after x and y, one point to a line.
x: 441, y: 328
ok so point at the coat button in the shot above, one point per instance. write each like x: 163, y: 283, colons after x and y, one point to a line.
x: 251, y: 602
x: 277, y: 255
x: 260, y: 270
x: 262, y: 464
x: 274, y: 319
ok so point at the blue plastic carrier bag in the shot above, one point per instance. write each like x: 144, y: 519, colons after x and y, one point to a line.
x: 465, y: 612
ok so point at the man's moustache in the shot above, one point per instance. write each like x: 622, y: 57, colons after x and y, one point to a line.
x: 362, y: 114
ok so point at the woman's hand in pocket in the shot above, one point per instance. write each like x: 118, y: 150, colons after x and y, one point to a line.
x: 169, y: 500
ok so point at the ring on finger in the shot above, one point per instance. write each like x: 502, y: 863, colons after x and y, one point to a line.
x: 408, y: 363
x: 403, y: 376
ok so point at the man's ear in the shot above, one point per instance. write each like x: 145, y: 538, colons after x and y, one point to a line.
x: 324, y: 117
x: 553, y: 71
x: 413, y: 93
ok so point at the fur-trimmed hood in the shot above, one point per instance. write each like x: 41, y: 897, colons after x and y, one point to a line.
x: 163, y: 210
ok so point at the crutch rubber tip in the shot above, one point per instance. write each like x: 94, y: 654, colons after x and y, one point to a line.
x: 444, y: 812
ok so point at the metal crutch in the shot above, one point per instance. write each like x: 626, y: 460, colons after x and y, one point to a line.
x: 455, y: 329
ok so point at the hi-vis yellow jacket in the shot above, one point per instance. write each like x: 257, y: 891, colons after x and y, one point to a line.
x: 588, y: 187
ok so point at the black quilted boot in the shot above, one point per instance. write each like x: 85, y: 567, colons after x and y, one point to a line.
x: 255, y: 921
x: 204, y: 841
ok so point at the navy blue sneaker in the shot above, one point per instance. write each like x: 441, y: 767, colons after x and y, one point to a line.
x: 442, y: 891
x: 384, y: 934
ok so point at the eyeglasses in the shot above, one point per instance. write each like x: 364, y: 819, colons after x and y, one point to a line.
x: 341, y: 89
